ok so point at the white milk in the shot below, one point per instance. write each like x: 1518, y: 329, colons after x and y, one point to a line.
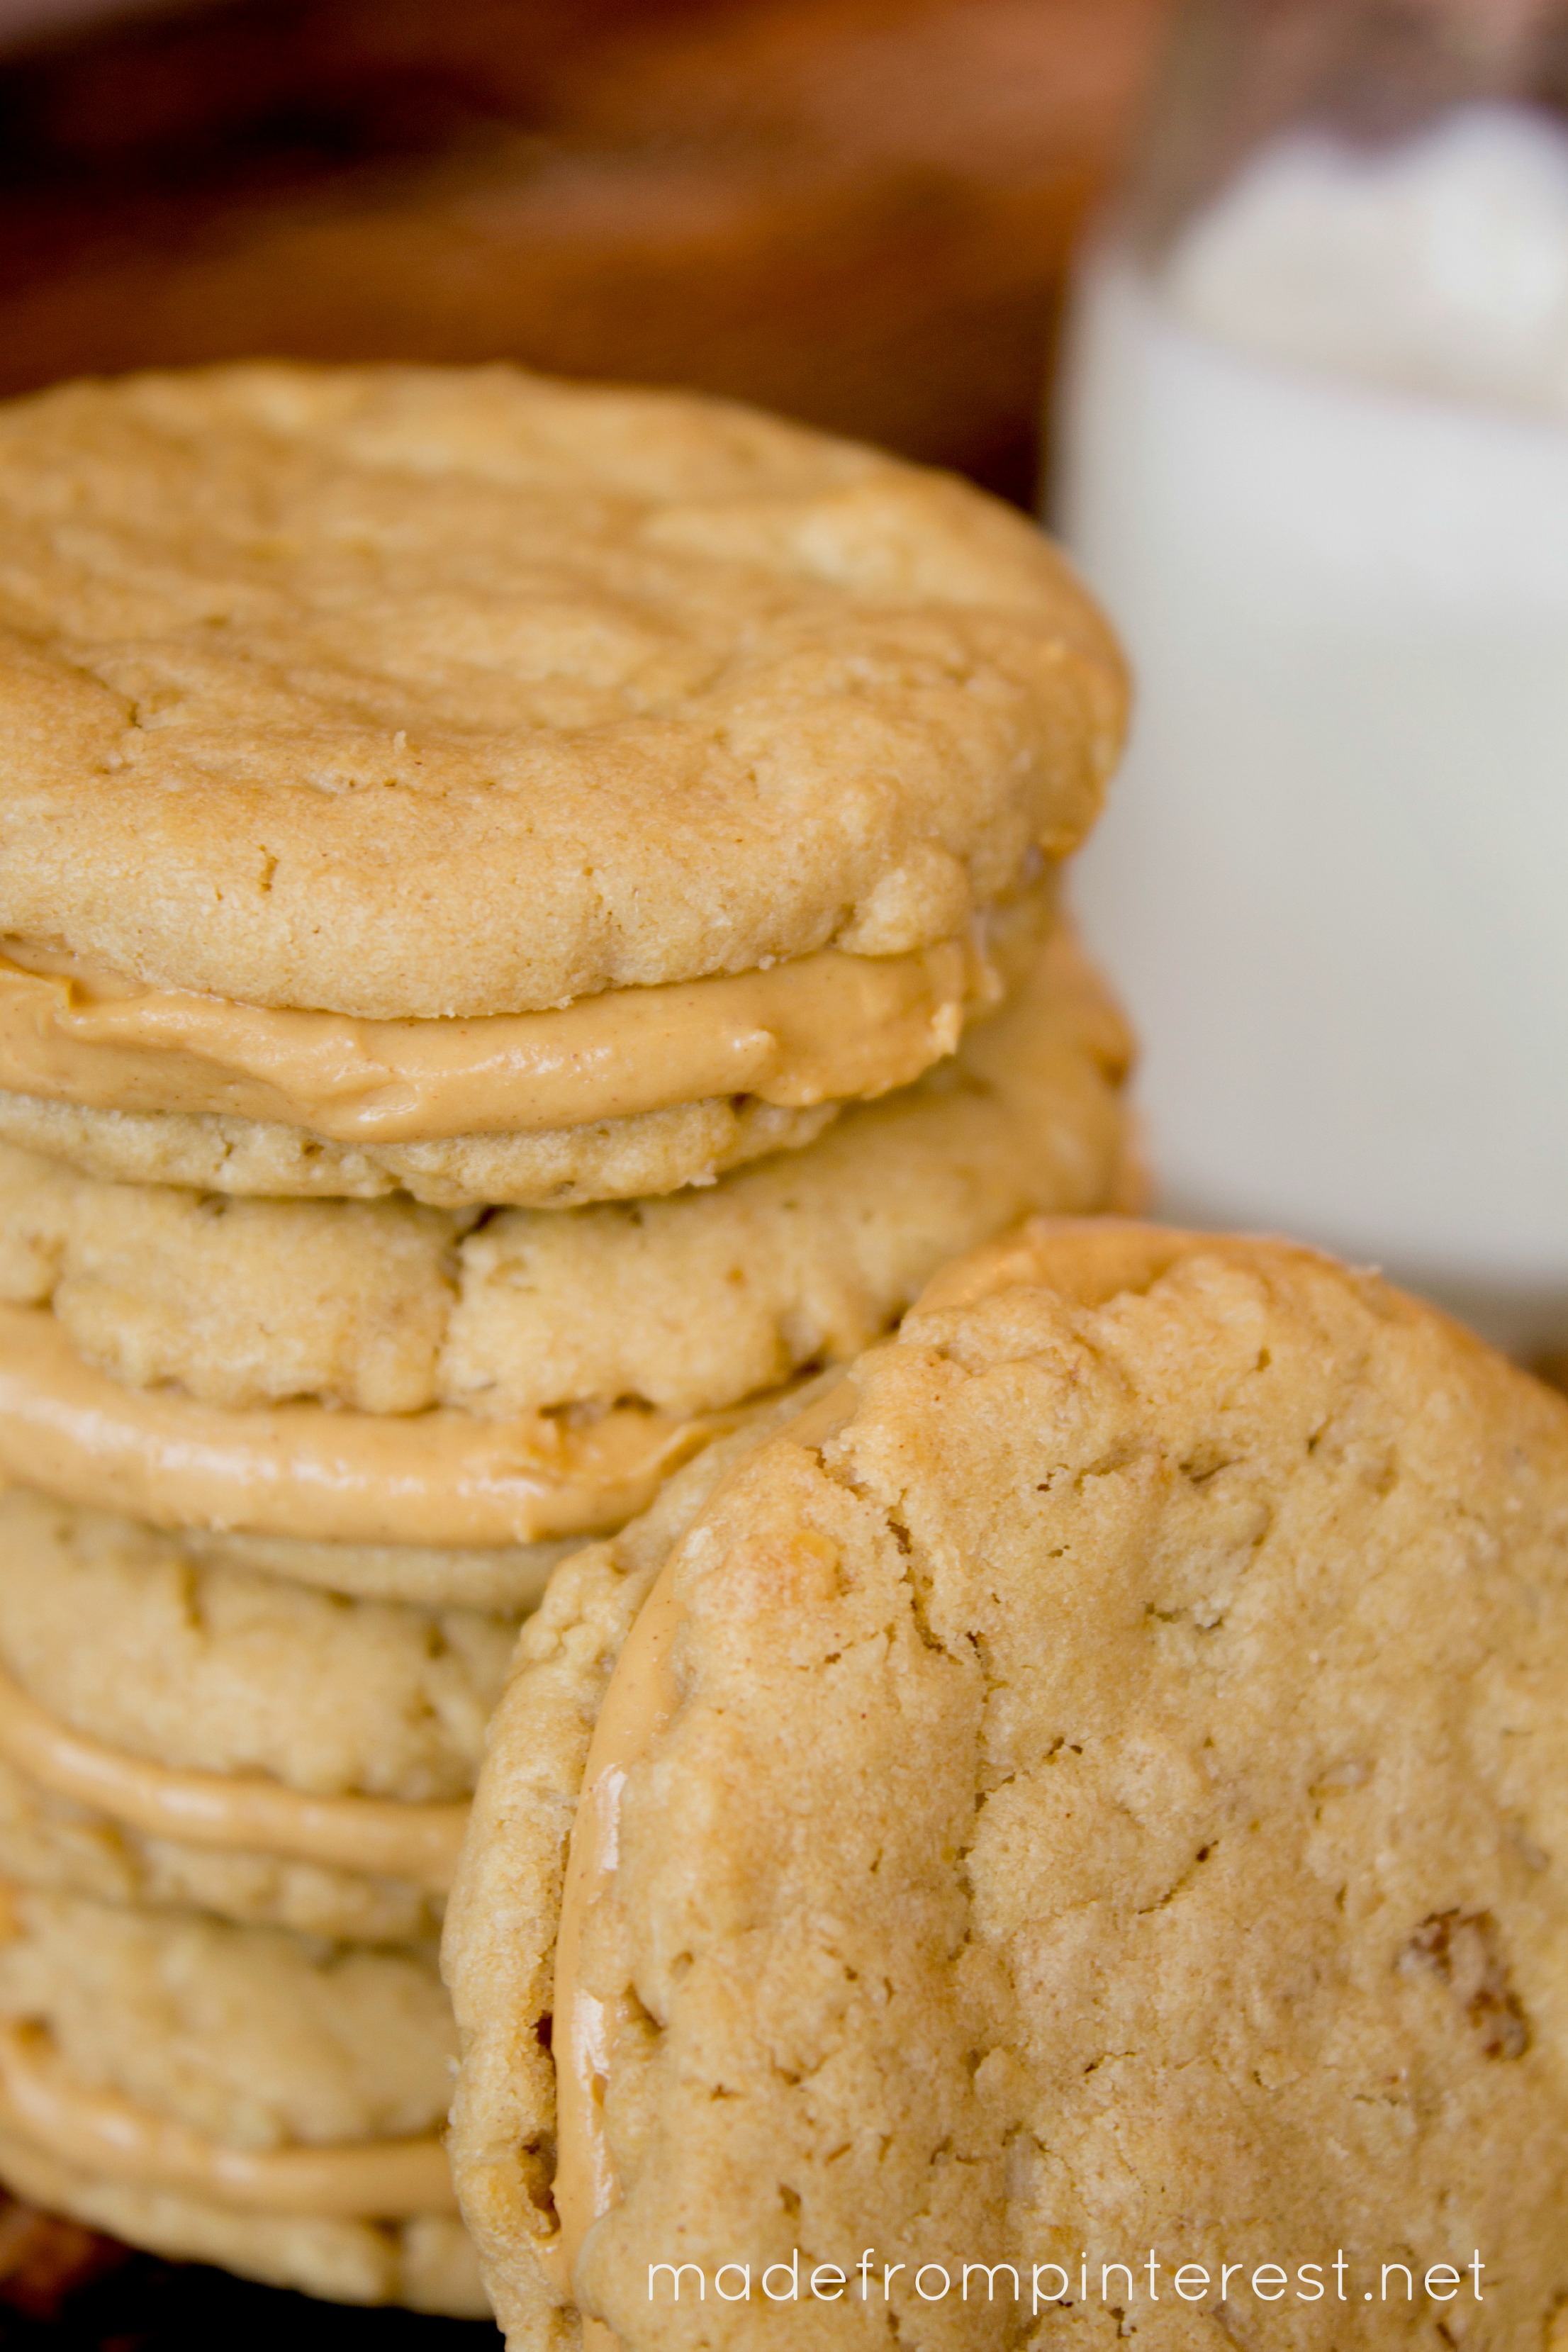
x: 1319, y: 473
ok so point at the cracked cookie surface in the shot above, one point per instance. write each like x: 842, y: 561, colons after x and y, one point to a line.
x: 1114, y: 1792
x: 416, y: 692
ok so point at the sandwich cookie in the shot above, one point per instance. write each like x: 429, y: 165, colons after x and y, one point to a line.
x: 473, y: 760
x: 382, y: 1374
x: 234, y: 2095
x: 179, y: 1733
x: 1092, y: 1779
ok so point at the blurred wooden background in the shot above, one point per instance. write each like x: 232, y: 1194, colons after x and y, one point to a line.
x: 857, y: 211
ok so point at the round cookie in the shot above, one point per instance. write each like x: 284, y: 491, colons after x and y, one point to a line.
x: 413, y: 693
x: 225, y: 2093
x: 639, y: 1323
x: 1095, y: 1779
x: 690, y: 1303
x: 118, y: 1650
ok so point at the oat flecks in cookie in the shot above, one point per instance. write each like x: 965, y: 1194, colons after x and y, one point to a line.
x: 1117, y: 1804
x: 415, y: 692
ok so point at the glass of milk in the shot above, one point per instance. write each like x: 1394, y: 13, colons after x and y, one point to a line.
x: 1314, y: 453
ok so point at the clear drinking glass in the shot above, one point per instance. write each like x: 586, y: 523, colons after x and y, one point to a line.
x: 1313, y: 446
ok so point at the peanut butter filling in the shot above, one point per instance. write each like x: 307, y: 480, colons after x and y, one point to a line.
x: 383, y: 1839
x: 97, y: 2133
x: 827, y: 1028
x: 441, y: 1477
x: 640, y: 1699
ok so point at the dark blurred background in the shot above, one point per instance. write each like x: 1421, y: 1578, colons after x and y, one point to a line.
x: 856, y: 211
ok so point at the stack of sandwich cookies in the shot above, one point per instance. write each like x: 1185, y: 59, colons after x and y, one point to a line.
x: 531, y: 926
x: 362, y: 1374
x: 1079, y: 1795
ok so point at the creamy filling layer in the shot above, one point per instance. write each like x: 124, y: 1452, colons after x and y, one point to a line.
x: 828, y: 1027
x: 97, y: 2133
x: 441, y: 1477
x: 380, y: 1838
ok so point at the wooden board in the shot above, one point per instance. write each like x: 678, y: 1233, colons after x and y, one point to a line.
x: 857, y: 211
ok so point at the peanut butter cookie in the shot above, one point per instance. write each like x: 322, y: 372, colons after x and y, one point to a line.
x: 1086, y: 1799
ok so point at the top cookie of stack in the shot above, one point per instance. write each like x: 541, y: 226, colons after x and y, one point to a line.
x: 502, y: 790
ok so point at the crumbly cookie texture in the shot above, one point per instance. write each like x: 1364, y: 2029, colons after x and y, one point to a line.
x: 114, y: 1630
x: 247, y: 2035
x: 1116, y: 1802
x: 602, y: 1159
x: 415, y: 692
x: 689, y: 1303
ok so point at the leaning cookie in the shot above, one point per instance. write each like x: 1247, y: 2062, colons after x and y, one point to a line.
x: 467, y: 756
x: 180, y: 1731
x: 376, y: 1373
x: 235, y: 2095
x: 1088, y: 1792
